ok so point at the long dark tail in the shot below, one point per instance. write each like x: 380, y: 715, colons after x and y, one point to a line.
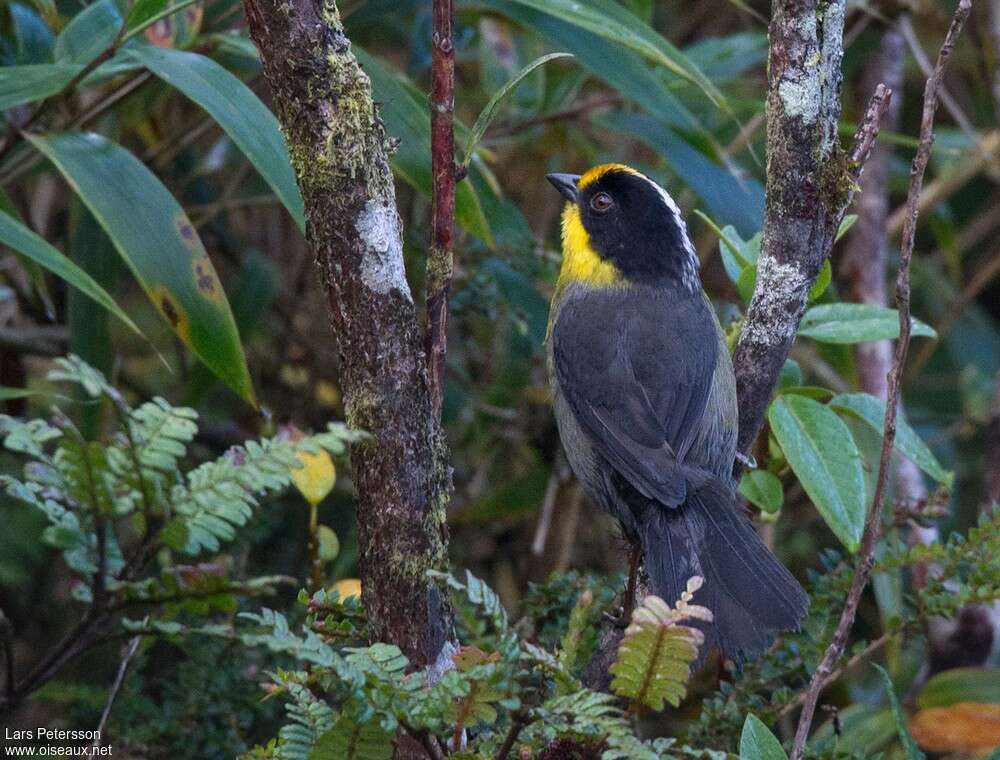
x: 750, y: 593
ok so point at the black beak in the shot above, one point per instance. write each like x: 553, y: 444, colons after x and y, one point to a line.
x: 565, y: 184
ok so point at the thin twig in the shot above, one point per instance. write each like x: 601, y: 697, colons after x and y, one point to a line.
x: 130, y: 651
x: 866, y: 556
x: 864, y: 654
x: 7, y: 641
x: 516, y: 726
x: 440, y: 259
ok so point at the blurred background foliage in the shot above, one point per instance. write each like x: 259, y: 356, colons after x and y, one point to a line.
x: 152, y: 164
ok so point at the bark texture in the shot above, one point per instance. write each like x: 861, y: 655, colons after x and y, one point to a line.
x: 340, y: 154
x: 808, y: 187
x: 440, y: 260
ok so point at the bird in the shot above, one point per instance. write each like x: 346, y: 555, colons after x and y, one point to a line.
x: 644, y: 397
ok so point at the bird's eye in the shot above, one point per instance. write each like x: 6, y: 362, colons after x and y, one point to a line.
x: 601, y: 202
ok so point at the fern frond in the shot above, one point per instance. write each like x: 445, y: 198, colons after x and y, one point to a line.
x: 349, y: 740
x: 73, y: 369
x: 309, y: 718
x: 655, y: 656
x: 145, y: 455
x: 219, y: 496
x: 28, y: 437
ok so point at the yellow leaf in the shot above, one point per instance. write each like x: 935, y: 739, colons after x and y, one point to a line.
x: 346, y: 588
x: 316, y: 476
x: 967, y: 727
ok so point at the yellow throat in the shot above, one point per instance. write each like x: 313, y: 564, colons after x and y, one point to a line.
x: 581, y: 263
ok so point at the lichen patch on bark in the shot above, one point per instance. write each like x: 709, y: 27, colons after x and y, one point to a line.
x: 382, y: 267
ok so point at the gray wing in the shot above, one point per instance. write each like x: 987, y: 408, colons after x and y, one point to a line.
x: 636, y: 367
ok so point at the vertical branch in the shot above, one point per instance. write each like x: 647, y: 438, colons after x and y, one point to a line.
x: 440, y: 260
x: 866, y: 556
x: 340, y: 154
x: 808, y: 186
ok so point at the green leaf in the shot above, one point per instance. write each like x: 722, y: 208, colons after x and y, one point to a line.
x: 407, y: 117
x: 329, y: 544
x: 35, y: 271
x: 909, y: 745
x: 758, y: 743
x: 845, y: 224
x: 90, y: 32
x: 762, y: 489
x: 24, y: 84
x: 26, y: 242
x: 157, y: 241
x: 236, y: 109
x: 617, y: 25
x: 822, y: 281
x: 856, y: 323
x: 961, y: 685
x: 822, y: 454
x: 655, y: 655
x: 143, y: 11
x: 871, y: 410
x: 11, y: 394
x: 348, y: 740
x: 487, y: 114
x: 626, y: 71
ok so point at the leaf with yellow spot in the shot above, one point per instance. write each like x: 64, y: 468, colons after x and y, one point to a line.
x: 316, y: 476
x: 346, y: 588
x: 157, y: 241
x: 965, y: 727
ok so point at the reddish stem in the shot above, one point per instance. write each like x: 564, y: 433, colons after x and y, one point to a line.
x: 440, y: 259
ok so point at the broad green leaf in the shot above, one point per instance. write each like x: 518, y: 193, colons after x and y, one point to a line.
x: 237, y: 110
x: 762, y: 489
x: 860, y: 732
x: 35, y: 272
x: 625, y: 70
x: 90, y: 32
x: 34, y: 38
x: 845, y: 225
x: 856, y: 323
x: 617, y: 25
x: 158, y: 243
x: 12, y: 394
x: 960, y: 685
x: 758, y: 743
x: 871, y: 410
x: 737, y: 254
x: 24, y: 84
x: 407, y: 117
x: 822, y: 281
x: 812, y: 391
x: 143, y: 11
x: 822, y: 454
x: 489, y: 111
x: 909, y: 745
x: 34, y: 247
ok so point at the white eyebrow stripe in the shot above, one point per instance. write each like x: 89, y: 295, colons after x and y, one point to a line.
x: 692, y: 264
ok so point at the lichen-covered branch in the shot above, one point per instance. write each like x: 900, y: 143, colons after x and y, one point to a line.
x: 810, y: 182
x: 340, y: 154
x: 873, y: 521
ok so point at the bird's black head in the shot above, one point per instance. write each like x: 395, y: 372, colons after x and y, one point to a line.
x: 629, y: 221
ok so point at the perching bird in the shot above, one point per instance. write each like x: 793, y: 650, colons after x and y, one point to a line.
x: 645, y: 401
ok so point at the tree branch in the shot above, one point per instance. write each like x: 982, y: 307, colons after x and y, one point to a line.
x: 340, y: 154
x: 866, y: 556
x: 440, y: 260
x: 810, y: 183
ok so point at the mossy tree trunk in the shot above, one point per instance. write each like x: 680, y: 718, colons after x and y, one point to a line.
x: 807, y: 190
x: 340, y: 153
